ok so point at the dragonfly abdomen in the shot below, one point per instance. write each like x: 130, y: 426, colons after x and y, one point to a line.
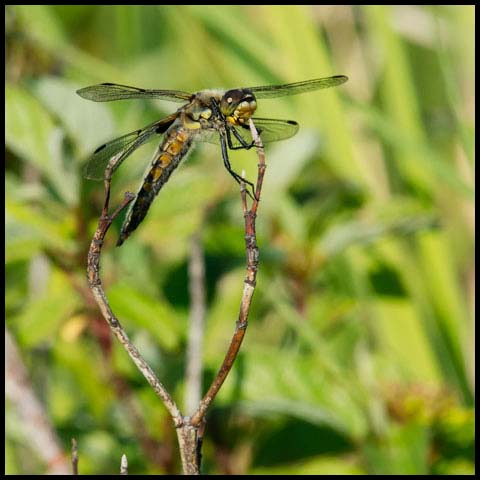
x: 174, y: 147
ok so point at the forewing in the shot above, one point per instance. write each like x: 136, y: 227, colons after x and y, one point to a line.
x: 119, y: 149
x: 270, y: 130
x: 106, y: 92
x: 273, y: 91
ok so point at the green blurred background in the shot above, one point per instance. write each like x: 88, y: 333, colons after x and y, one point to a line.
x: 359, y: 356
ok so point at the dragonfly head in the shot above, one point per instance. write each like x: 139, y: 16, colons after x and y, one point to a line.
x: 238, y: 105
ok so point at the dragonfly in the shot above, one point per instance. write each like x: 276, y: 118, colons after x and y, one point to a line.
x: 215, y: 116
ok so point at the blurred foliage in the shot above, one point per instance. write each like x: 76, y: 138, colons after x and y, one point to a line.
x: 359, y: 355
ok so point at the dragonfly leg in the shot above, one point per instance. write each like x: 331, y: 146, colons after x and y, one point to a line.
x: 234, y: 174
x: 239, y: 179
x: 244, y: 144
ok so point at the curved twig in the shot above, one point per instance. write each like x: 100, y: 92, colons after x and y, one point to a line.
x: 95, y: 284
x: 249, y: 287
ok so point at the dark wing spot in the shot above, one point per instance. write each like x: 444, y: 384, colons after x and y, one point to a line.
x: 101, y: 147
x: 292, y: 122
x: 164, y: 126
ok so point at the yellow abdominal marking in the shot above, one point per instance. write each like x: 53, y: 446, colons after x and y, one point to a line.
x: 164, y: 159
x: 174, y: 147
x: 181, y: 136
x: 156, y: 173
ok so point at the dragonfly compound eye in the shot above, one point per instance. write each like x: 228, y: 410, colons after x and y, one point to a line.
x: 233, y: 98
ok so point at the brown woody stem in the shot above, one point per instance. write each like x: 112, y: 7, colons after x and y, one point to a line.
x: 95, y: 284
x: 190, y: 430
x: 249, y: 285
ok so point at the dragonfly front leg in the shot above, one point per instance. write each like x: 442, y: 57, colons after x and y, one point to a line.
x: 234, y: 174
x: 223, y: 143
x: 244, y: 144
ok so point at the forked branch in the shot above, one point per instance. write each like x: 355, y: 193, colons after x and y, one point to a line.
x: 189, y: 429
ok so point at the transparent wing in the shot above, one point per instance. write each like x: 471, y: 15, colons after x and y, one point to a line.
x: 106, y: 92
x: 122, y: 147
x: 273, y: 91
x: 270, y: 130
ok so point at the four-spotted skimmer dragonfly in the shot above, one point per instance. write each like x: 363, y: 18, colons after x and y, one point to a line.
x: 215, y: 116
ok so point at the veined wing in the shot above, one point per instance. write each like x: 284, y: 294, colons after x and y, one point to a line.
x: 106, y: 92
x: 273, y: 91
x: 270, y: 130
x: 122, y: 147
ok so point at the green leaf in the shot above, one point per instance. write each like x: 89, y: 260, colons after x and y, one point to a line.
x: 294, y: 385
x: 26, y: 231
x: 42, y: 317
x: 32, y: 135
x: 28, y: 127
x: 403, y: 452
x: 319, y: 465
x: 88, y: 123
x: 84, y: 362
x: 398, y: 325
x: 135, y: 310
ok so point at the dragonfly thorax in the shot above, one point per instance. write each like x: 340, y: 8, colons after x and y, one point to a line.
x: 199, y: 111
